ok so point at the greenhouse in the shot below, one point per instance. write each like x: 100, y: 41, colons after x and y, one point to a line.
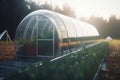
x: 44, y: 33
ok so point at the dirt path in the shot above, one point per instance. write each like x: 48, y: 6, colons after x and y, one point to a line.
x: 113, y: 62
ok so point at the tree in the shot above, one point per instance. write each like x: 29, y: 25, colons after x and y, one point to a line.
x: 114, y: 27
x: 110, y: 28
x: 67, y: 10
x: 12, y: 12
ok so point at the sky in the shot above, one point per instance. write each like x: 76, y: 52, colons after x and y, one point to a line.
x: 88, y: 8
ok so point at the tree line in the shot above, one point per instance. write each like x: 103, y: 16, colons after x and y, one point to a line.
x: 106, y: 28
x: 13, y: 11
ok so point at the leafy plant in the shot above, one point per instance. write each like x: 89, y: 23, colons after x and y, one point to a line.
x: 78, y: 66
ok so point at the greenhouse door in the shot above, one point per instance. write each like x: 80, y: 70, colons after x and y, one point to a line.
x: 45, y: 47
x: 45, y: 39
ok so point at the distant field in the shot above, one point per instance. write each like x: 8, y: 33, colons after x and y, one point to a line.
x: 114, y: 42
x: 7, y: 50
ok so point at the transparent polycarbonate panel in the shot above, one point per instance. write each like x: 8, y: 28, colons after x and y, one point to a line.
x: 78, y: 28
x: 21, y: 28
x: 85, y: 30
x: 81, y: 28
x: 61, y: 26
x: 25, y: 42
x: 69, y: 26
x: 88, y: 30
x: 93, y: 31
x: 45, y: 29
x: 29, y: 28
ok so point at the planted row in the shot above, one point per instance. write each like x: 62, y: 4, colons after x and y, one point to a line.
x: 79, y: 66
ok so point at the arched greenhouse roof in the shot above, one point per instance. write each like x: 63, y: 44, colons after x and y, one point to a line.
x: 50, y: 32
x: 60, y: 21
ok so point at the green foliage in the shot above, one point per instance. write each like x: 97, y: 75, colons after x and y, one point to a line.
x: 79, y: 66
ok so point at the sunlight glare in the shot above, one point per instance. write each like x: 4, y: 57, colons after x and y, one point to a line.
x: 87, y: 8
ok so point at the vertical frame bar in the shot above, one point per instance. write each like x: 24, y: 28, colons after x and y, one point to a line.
x: 37, y: 36
x: 53, y: 41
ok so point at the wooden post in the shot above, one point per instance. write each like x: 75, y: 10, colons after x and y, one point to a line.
x: 7, y: 37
